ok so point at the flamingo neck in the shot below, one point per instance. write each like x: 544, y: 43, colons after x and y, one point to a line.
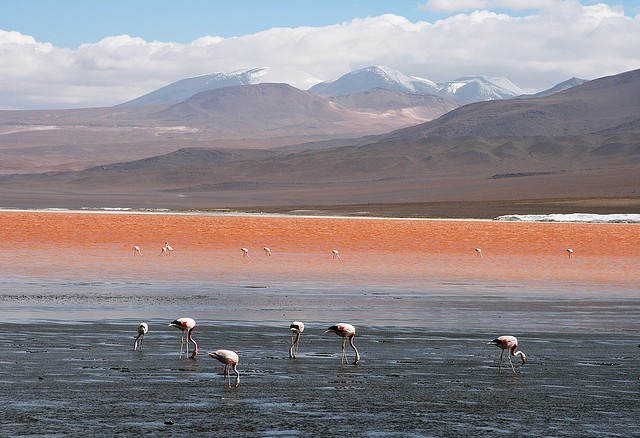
x: 297, y: 338
x: 195, y: 348
x: 354, y: 349
x: 515, y: 353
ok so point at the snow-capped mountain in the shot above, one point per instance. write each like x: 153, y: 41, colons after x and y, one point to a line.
x: 570, y: 83
x: 466, y: 89
x: 479, y: 88
x: 185, y: 88
x: 374, y: 77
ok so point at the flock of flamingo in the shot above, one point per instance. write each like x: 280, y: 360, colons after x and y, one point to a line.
x: 167, y: 250
x: 230, y: 358
x: 345, y: 331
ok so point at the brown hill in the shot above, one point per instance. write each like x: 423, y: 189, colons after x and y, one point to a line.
x: 251, y: 116
x: 586, y: 146
x: 605, y: 105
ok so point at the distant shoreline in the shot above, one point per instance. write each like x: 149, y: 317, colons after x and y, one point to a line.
x: 627, y: 218
x: 470, y: 210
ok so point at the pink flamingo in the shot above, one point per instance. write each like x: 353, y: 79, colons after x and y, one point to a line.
x: 186, y: 324
x: 296, y: 327
x: 267, y: 251
x: 166, y: 249
x: 478, y: 252
x: 508, y: 343
x: 345, y: 331
x: 245, y: 253
x: 229, y: 359
x: 142, y: 329
x: 570, y: 252
x: 336, y: 254
x: 136, y: 250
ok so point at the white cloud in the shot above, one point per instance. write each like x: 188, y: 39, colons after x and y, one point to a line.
x: 560, y: 39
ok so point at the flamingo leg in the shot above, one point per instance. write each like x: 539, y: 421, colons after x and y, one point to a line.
x: 291, y: 352
x: 182, y: 344
x: 500, y: 363
x: 511, y: 363
x: 344, y: 353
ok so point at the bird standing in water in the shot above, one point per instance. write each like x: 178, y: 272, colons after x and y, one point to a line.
x: 508, y: 343
x: 229, y: 359
x: 345, y: 331
x: 142, y: 329
x: 186, y: 324
x: 296, y: 328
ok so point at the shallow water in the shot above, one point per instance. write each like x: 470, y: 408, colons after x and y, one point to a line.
x: 85, y: 379
x: 72, y: 295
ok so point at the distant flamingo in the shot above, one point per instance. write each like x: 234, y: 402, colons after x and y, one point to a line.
x: 142, y: 329
x: 186, y: 324
x: 245, y: 253
x: 336, y: 254
x: 166, y: 249
x: 508, y: 343
x: 345, y: 331
x: 229, y: 359
x: 267, y: 251
x: 478, y: 252
x: 570, y: 252
x: 136, y: 250
x: 296, y: 327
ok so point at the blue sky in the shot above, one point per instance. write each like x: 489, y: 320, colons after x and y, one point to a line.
x: 68, y: 53
x: 70, y: 23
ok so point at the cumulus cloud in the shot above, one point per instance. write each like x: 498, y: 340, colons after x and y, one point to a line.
x: 556, y: 41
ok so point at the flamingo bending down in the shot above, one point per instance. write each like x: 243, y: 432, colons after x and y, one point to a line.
x: 186, y: 324
x: 229, y: 359
x: 345, y: 331
x: 508, y: 343
x: 166, y: 249
x: 336, y: 254
x: 267, y: 251
x: 136, y: 250
x: 142, y: 329
x: 478, y: 252
x: 296, y: 327
x: 570, y: 252
x: 245, y: 253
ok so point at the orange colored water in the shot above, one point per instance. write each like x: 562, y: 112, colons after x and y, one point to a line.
x: 94, y: 246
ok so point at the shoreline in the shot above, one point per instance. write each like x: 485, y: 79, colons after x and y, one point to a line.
x: 594, y: 218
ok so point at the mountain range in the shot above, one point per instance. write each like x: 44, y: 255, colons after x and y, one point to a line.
x: 465, y: 89
x: 577, y: 148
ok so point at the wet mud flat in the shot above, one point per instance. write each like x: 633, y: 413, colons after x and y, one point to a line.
x: 61, y: 379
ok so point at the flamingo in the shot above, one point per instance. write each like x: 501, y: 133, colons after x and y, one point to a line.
x: 296, y: 327
x: 229, y: 359
x: 136, y: 250
x: 345, y: 331
x: 336, y: 254
x: 267, y: 251
x: 186, y: 324
x: 570, y: 252
x: 245, y: 253
x: 478, y: 252
x: 166, y: 249
x: 509, y: 343
x: 142, y: 329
